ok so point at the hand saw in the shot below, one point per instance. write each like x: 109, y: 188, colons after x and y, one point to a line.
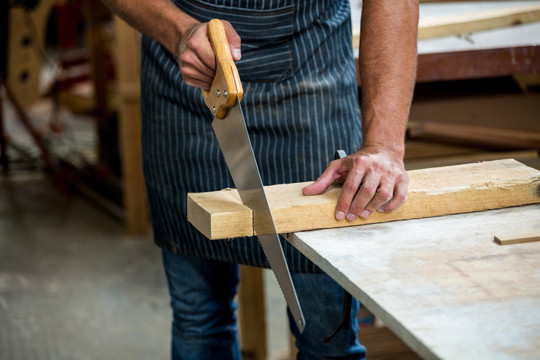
x: 223, y: 99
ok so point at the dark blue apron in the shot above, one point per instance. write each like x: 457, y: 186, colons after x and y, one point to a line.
x: 300, y: 105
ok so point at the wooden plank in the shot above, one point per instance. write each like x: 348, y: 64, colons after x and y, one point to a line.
x: 432, y: 192
x: 252, y: 320
x: 517, y: 238
x: 441, y: 284
x: 473, y: 134
x: 477, y: 21
x: 500, y: 110
x: 220, y: 214
x: 470, y: 22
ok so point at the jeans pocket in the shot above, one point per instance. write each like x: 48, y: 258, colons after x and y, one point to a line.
x: 265, y: 33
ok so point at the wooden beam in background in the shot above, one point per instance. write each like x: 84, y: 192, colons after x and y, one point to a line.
x: 477, y: 21
x: 473, y: 134
x: 128, y: 65
x: 252, y: 313
x: 432, y: 192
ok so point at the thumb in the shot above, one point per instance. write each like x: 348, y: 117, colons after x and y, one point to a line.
x: 321, y: 184
x: 234, y: 40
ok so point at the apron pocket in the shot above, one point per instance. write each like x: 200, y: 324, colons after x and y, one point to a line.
x: 265, y: 33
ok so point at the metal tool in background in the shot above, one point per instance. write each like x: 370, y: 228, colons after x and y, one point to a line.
x: 223, y: 99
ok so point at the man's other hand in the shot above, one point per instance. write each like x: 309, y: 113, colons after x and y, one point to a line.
x: 374, y: 179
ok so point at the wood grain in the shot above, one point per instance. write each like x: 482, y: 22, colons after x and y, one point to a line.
x: 432, y: 192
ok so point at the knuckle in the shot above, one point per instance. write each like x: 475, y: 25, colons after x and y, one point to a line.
x: 400, y: 198
x: 349, y: 187
x: 368, y: 189
x: 355, y: 209
x: 384, y: 195
x: 185, y: 58
x: 193, y: 43
x: 377, y: 167
x: 360, y: 161
x: 332, y: 164
x: 342, y: 205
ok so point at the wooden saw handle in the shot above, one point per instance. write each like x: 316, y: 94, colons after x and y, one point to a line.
x: 226, y: 87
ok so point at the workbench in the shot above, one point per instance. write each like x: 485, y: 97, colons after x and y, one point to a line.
x: 442, y: 284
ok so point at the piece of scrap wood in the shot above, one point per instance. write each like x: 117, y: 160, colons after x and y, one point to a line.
x: 432, y: 192
x: 517, y: 238
x: 477, y: 21
x: 470, y: 22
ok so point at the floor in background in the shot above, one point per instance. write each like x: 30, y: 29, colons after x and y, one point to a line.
x: 74, y: 286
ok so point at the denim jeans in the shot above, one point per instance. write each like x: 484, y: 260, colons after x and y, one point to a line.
x: 204, y: 320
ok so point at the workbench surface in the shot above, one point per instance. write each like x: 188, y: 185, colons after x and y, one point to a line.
x: 442, y: 284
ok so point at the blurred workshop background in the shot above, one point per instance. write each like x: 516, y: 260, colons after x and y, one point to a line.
x: 80, y: 277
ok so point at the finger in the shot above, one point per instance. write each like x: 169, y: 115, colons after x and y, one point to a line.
x: 348, y: 192
x: 331, y: 174
x: 192, y: 66
x: 363, y: 197
x: 195, y: 50
x: 400, y: 196
x: 201, y: 60
x: 190, y: 75
x: 200, y: 45
x: 200, y: 83
x: 382, y: 196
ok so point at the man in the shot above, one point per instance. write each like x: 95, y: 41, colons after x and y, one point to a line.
x: 300, y: 103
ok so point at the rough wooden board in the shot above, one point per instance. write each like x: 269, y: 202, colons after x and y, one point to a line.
x: 432, y: 192
x: 221, y: 215
x: 518, y: 238
x: 441, y: 284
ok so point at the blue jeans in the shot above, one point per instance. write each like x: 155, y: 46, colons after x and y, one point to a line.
x: 204, y: 320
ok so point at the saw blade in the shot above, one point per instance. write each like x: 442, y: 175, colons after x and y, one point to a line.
x: 233, y: 139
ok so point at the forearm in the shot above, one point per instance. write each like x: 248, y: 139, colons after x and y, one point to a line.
x: 158, y: 19
x: 387, y: 70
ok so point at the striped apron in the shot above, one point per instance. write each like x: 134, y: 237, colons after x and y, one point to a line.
x: 300, y: 105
